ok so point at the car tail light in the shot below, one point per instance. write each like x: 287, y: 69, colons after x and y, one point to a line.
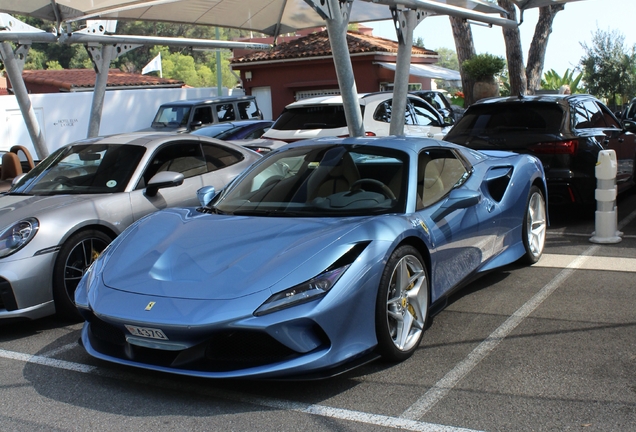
x: 556, y: 147
x: 365, y: 134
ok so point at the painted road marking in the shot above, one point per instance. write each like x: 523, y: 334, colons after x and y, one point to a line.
x: 598, y: 263
x: 279, y: 404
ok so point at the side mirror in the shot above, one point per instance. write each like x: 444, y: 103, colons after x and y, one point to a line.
x: 205, y: 195
x: 629, y: 125
x: 163, y: 179
x: 457, y: 199
x: 196, y: 124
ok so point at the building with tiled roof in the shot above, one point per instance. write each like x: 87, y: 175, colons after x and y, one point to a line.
x: 303, y: 67
x: 77, y: 80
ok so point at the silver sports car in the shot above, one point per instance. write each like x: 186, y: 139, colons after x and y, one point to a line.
x: 61, y: 215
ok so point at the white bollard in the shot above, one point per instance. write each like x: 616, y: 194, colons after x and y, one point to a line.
x: 605, y: 194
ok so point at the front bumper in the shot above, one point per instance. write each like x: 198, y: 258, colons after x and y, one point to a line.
x: 26, y: 287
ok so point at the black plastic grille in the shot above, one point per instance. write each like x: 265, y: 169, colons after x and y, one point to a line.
x: 7, y: 299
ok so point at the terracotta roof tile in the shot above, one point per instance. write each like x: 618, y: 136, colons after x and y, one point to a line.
x: 69, y: 79
x: 317, y: 45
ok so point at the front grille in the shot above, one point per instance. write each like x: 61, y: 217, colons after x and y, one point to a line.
x: 243, y: 349
x: 106, y: 332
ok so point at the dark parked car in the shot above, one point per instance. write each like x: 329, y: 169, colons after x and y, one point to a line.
x: 565, y: 131
x: 238, y: 130
x: 189, y: 114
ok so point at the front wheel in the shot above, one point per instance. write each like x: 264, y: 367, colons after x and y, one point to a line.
x: 534, y: 226
x: 74, y: 258
x: 402, y: 304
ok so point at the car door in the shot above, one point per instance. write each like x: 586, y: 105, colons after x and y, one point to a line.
x: 462, y: 239
x: 184, y: 156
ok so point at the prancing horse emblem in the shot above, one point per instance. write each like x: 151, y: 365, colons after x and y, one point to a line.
x: 150, y: 305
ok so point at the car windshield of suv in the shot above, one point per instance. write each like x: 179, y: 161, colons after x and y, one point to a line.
x: 320, y: 181
x: 501, y: 118
x: 172, y: 116
x: 82, y: 169
x: 312, y: 117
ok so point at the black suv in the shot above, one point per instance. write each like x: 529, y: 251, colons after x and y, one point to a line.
x: 566, y: 132
x: 189, y: 114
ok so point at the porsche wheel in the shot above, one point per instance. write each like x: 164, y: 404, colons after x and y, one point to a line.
x: 402, y: 304
x: 74, y: 258
x: 534, y: 226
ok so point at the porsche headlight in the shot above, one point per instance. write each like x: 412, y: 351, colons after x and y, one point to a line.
x: 302, y: 293
x: 16, y: 236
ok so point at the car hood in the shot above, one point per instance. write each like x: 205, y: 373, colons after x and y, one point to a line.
x: 178, y: 253
x: 17, y: 207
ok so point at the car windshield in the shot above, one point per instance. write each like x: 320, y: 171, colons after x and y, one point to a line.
x: 82, y: 169
x: 492, y: 119
x: 311, y: 117
x: 319, y: 181
x: 172, y: 116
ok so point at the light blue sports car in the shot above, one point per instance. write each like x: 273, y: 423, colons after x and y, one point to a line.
x: 323, y: 255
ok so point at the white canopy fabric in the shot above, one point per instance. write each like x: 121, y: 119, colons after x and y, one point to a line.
x: 265, y: 16
x: 427, y: 71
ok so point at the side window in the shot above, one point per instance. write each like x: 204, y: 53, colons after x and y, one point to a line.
x: 225, y: 112
x: 410, y: 117
x: 579, y: 116
x: 597, y: 120
x: 184, y: 157
x: 383, y: 112
x: 631, y: 111
x: 438, y: 172
x: 248, y: 110
x: 203, y: 114
x: 217, y: 157
x: 610, y: 121
x: 423, y: 114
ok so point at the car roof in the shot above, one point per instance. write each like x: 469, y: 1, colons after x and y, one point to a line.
x: 405, y: 143
x: 337, y: 99
x: 212, y: 99
x: 554, y: 98
x: 150, y: 140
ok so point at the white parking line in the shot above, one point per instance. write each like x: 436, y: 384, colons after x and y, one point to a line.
x: 450, y: 380
x: 598, y: 263
x: 60, y: 350
x: 279, y: 404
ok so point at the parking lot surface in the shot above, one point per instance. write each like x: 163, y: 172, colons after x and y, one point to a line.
x: 541, y: 348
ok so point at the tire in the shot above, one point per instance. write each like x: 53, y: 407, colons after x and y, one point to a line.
x: 75, y: 256
x: 402, y: 305
x: 534, y: 226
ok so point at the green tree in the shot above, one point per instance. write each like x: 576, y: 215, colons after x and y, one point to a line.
x: 447, y: 58
x: 553, y: 81
x: 608, y: 67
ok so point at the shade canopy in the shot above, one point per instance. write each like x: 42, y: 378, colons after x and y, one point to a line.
x: 271, y: 17
x: 427, y: 71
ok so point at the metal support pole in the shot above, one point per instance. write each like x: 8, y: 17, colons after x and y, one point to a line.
x: 337, y: 30
x: 19, y: 89
x: 219, y: 75
x: 405, y: 22
x: 102, y: 64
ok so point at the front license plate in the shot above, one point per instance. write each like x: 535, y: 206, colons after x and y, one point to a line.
x: 146, y: 332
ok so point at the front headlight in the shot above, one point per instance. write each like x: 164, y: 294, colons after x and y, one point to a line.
x: 16, y: 236
x: 302, y: 293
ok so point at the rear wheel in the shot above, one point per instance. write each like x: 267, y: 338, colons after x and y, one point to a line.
x: 74, y: 258
x: 534, y: 226
x: 402, y: 304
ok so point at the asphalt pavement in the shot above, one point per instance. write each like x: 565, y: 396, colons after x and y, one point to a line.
x: 550, y: 347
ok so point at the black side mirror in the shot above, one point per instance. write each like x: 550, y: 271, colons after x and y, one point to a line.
x: 629, y: 125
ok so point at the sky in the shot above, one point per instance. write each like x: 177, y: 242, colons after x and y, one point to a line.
x: 572, y: 26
